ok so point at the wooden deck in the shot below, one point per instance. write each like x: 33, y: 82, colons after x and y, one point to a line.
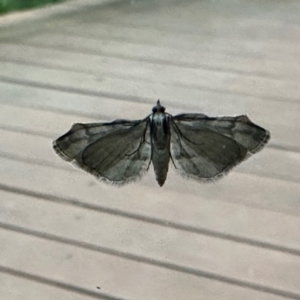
x: 63, y: 234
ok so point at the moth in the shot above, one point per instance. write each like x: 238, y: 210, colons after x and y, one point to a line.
x: 200, y: 147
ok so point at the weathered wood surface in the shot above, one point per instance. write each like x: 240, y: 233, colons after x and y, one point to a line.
x: 63, y: 234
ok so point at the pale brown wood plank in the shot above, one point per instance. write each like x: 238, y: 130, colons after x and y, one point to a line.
x: 155, y: 242
x: 259, y: 65
x: 245, y: 20
x: 89, y: 269
x: 271, y: 49
x: 19, y: 286
x: 246, y: 85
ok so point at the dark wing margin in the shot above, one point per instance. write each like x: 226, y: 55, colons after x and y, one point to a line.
x: 205, y: 148
x: 116, y: 152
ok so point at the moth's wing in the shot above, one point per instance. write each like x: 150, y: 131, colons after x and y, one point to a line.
x: 117, y: 152
x: 206, y: 151
x: 239, y: 128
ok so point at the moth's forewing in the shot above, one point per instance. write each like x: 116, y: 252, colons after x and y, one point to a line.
x: 203, y: 155
x: 69, y: 145
x: 206, y: 148
x: 239, y: 128
x: 115, y: 152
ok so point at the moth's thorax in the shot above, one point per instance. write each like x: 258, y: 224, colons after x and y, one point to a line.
x: 159, y: 117
x: 160, y: 130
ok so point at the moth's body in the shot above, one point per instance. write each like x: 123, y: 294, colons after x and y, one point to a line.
x: 160, y: 142
x: 200, y: 147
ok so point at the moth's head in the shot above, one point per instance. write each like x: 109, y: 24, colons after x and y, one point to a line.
x: 158, y: 108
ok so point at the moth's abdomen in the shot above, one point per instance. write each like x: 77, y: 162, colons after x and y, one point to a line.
x: 160, y: 161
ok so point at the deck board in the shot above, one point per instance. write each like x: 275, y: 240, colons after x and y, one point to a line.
x: 191, y: 76
x: 172, y: 246
x: 145, y: 281
x: 62, y: 233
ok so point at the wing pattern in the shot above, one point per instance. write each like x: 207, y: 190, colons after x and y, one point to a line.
x: 205, y: 148
x: 117, y: 152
